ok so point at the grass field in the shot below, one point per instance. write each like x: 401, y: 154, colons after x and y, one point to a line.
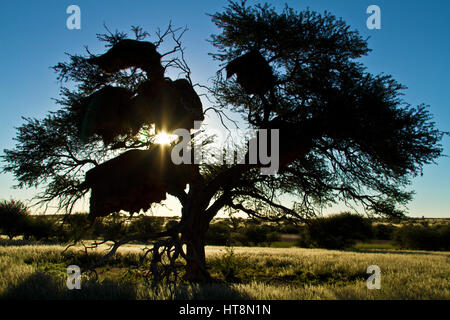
x: 39, y: 272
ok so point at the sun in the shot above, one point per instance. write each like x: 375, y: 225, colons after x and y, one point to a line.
x: 164, y: 138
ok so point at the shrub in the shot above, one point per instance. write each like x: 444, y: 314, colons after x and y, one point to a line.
x: 219, y: 234
x: 256, y: 233
x: 250, y: 233
x: 229, y: 266
x: 383, y: 231
x: 289, y: 229
x: 338, y: 231
x: 77, y: 227
x: 272, y: 237
x: 40, y: 228
x: 238, y: 238
x: 14, y: 217
x: 304, y: 239
x: 114, y: 227
x: 420, y: 237
x: 145, y: 226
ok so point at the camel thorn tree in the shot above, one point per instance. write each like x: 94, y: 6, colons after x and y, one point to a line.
x: 344, y: 134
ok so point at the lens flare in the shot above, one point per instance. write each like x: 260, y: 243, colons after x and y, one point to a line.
x: 164, y: 138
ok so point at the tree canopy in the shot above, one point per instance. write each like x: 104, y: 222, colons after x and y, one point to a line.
x: 357, y: 138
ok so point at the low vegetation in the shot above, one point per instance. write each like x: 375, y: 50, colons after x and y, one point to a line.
x: 39, y: 272
x: 251, y: 260
x: 338, y: 231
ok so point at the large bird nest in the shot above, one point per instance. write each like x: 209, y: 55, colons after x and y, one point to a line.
x: 134, y: 180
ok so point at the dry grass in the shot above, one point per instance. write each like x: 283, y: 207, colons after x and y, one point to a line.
x: 38, y: 272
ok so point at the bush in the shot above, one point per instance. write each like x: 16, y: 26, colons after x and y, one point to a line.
x: 383, y: 231
x: 219, y: 234
x: 14, y: 218
x: 304, y: 239
x: 40, y: 228
x: 229, y: 266
x: 272, y: 237
x: 223, y: 233
x: 420, y: 237
x: 256, y: 234
x: 113, y: 227
x: 238, y: 238
x: 289, y: 229
x: 76, y: 227
x: 145, y: 226
x: 79, y: 226
x: 338, y: 231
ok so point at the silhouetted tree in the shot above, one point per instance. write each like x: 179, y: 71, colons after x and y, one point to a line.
x: 345, y: 134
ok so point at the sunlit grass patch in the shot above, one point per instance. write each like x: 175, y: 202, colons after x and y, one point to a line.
x: 388, y: 245
x: 39, y: 272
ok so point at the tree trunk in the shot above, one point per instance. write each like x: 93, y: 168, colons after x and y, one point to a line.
x: 193, y: 234
x: 193, y: 227
x: 195, y: 250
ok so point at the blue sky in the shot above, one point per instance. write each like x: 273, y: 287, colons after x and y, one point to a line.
x: 413, y: 45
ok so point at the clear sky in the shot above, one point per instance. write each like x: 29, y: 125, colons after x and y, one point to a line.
x: 413, y: 45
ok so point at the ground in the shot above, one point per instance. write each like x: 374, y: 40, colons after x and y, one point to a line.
x: 39, y: 272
